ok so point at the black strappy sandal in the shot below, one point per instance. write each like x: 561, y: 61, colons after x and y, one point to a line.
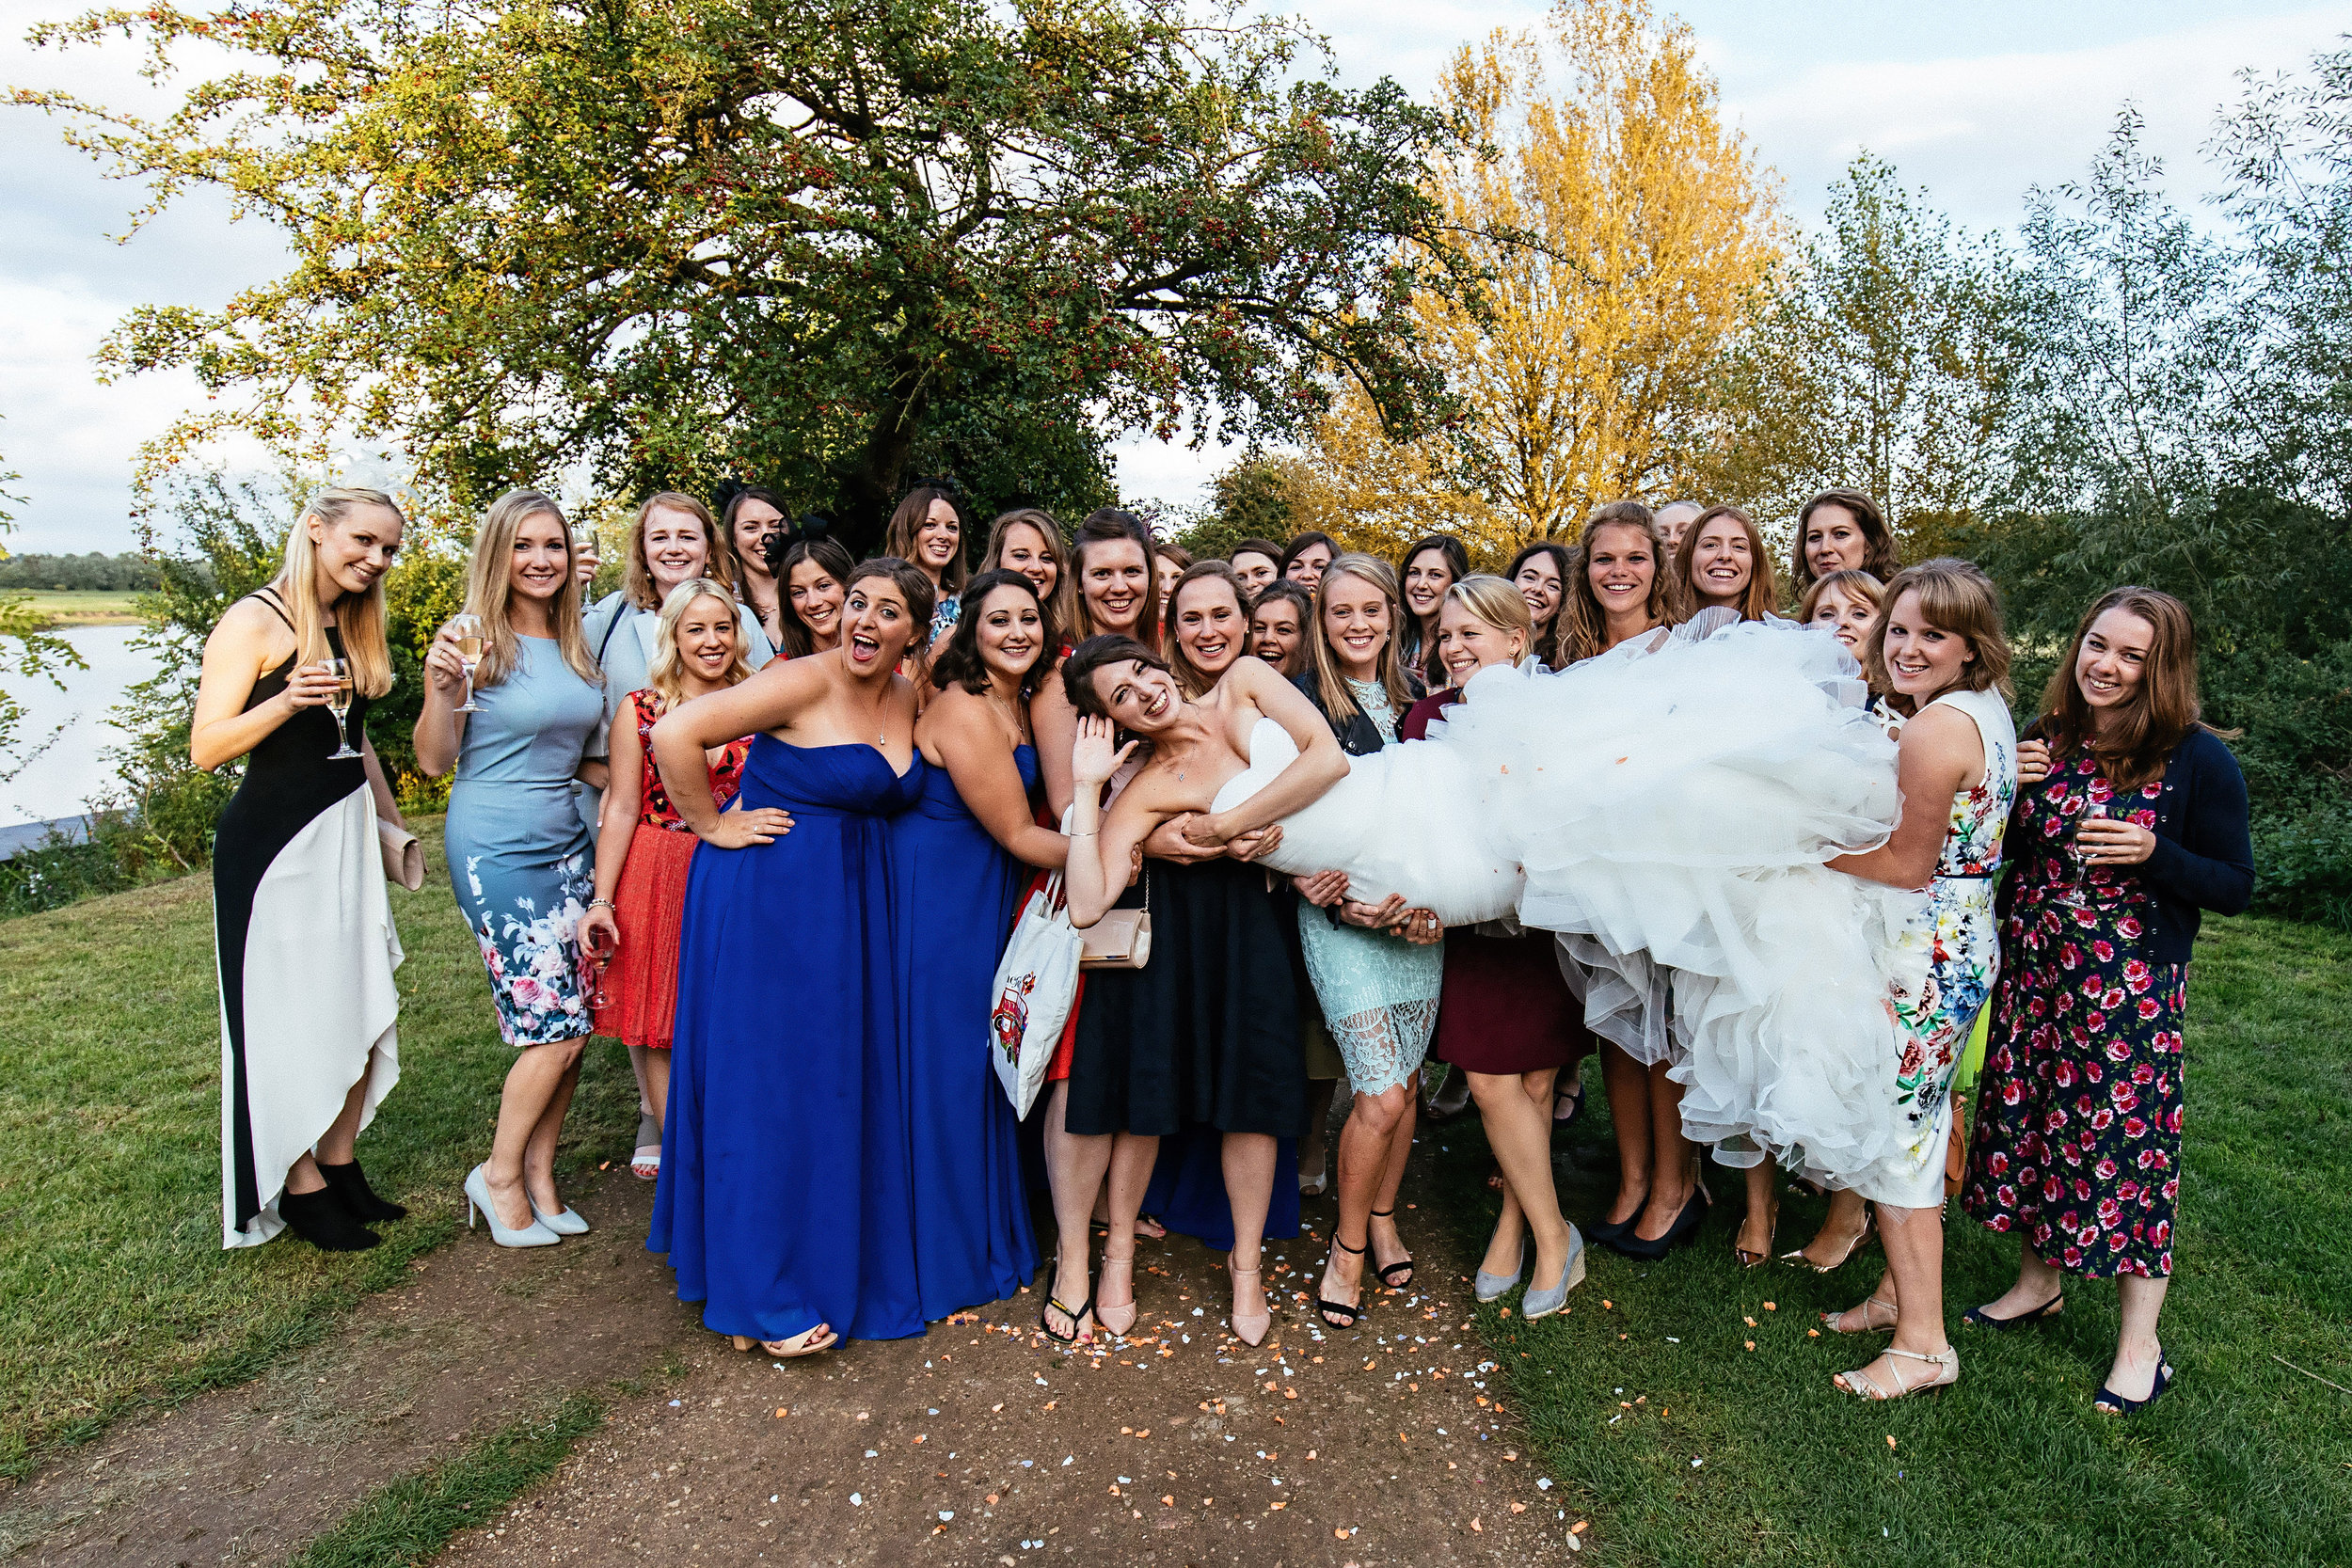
x: 1077, y: 1319
x: 1331, y: 1310
x: 1403, y: 1263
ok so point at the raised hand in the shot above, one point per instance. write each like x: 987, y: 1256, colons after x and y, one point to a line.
x: 599, y: 934
x: 311, y: 685
x: 442, y: 665
x: 1092, y: 758
x: 2033, y: 763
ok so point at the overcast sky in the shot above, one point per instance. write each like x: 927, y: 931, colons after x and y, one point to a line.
x: 1976, y: 102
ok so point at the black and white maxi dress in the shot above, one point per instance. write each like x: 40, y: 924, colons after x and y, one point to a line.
x: 303, y: 927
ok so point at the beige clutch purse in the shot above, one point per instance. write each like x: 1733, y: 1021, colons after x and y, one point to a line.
x: 403, y: 857
x: 1122, y: 939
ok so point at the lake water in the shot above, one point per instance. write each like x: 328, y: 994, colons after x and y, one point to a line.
x: 63, y: 778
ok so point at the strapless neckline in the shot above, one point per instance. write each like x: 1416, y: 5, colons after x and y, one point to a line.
x: 1269, y: 753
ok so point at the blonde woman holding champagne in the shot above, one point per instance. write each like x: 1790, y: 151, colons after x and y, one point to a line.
x: 519, y: 858
x: 309, y: 1010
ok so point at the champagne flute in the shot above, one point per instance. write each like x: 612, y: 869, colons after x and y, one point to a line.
x: 2093, y: 810
x: 467, y: 630
x: 339, y: 704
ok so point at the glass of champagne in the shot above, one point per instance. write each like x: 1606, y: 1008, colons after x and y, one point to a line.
x: 339, y: 704
x: 467, y: 630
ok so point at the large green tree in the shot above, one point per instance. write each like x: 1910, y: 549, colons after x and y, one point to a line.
x: 799, y: 239
x: 1884, y: 362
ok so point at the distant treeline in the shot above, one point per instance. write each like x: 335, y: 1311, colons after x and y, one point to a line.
x: 117, y: 574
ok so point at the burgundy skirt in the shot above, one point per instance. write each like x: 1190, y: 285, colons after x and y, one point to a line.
x: 1506, y: 1008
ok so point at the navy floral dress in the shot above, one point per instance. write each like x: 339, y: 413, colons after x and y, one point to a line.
x: 2079, y: 1141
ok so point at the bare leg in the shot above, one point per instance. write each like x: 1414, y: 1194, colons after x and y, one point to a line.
x: 656, y: 1086
x: 1627, y: 1083
x: 1368, y: 1146
x: 539, y: 1153
x: 639, y: 1059
x: 1755, y: 1241
x: 1517, y: 1111
x: 1132, y: 1157
x: 1388, y: 1247
x: 334, y: 1145
x: 1075, y: 1169
x: 1674, y: 1159
x: 1915, y: 1281
x: 539, y: 1075
x: 1314, y: 1147
x: 1248, y: 1161
x: 1841, y: 1230
x: 2137, y: 1349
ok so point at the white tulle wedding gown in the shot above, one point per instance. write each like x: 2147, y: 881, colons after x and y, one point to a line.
x: 1667, y: 810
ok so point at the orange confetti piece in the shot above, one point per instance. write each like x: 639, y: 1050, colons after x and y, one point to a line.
x: 1608, y: 1305
x: 1750, y: 1344
x: 1339, y: 1532
x: 1812, y: 1333
x: 1519, y: 1508
x: 782, y: 1412
x: 1476, y: 1526
x: 1277, y: 1506
x: 1771, y: 1306
x: 918, y: 1437
x: 1290, y: 1393
x: 1580, y: 1526
x: 1750, y: 1322
x: 1167, y: 1501
x: 992, y: 1500
x: 1890, y: 1440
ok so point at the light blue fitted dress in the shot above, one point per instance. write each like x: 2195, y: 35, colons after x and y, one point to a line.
x: 1379, y: 993
x: 520, y: 860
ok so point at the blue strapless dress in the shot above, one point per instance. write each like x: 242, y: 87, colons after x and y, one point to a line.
x: 787, y: 1195
x: 954, y: 894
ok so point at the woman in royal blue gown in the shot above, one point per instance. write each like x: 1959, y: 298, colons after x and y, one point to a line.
x: 960, y: 861
x: 786, y: 1201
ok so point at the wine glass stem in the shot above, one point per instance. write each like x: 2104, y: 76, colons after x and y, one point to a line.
x: 469, y: 702
x: 342, y: 737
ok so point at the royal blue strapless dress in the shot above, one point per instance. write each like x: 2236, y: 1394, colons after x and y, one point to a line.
x: 787, y: 1193
x: 954, y: 894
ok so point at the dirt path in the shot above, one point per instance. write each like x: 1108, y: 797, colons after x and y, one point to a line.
x: 980, y: 1443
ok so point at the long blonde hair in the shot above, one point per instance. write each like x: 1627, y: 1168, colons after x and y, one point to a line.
x: 718, y: 554
x: 666, y: 670
x: 1337, y: 701
x: 490, y: 589
x: 358, y: 617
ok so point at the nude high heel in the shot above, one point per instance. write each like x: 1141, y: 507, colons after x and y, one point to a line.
x: 1252, y: 1329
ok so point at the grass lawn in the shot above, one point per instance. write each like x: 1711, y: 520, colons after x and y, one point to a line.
x: 77, y: 607
x: 114, y: 1289
x: 2244, y: 1461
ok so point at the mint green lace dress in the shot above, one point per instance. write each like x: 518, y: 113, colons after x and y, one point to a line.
x: 1379, y: 992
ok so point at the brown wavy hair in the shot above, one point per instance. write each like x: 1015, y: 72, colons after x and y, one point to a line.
x: 1582, y: 630
x: 1763, y: 595
x: 959, y: 662
x: 1190, y: 678
x: 1956, y: 596
x: 1065, y: 595
x: 1103, y: 527
x: 2159, y: 714
x: 1880, y: 557
x: 906, y: 522
x: 1546, y: 642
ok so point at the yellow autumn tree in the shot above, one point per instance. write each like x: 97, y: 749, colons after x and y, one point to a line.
x: 1626, y: 232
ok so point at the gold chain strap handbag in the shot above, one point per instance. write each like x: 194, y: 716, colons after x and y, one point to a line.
x: 1122, y: 938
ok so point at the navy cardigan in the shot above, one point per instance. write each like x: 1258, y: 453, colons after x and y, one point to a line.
x: 2204, y: 855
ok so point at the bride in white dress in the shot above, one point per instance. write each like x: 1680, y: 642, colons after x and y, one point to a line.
x: 1668, y: 806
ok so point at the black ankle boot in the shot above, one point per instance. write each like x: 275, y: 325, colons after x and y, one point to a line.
x: 320, y: 1219
x: 349, y: 1185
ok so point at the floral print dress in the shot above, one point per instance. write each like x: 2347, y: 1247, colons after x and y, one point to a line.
x: 1944, y: 963
x: 2078, y: 1147
x: 519, y: 858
